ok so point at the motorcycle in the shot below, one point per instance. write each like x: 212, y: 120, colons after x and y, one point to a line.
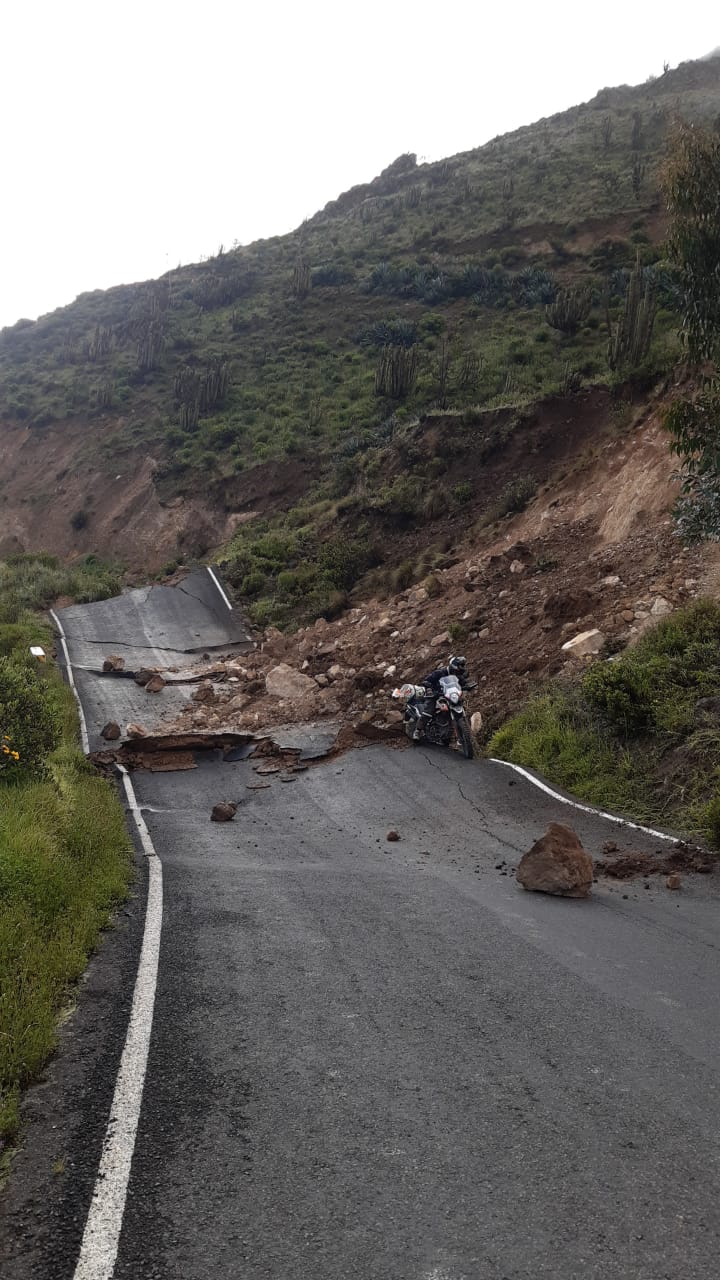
x: 448, y: 726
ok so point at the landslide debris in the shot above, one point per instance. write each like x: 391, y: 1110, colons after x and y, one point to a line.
x: 557, y: 864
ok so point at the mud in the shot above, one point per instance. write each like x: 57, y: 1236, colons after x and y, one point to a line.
x: 683, y: 858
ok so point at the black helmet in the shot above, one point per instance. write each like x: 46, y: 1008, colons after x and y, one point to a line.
x: 457, y: 665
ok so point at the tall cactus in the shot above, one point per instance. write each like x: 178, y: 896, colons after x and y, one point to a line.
x: 629, y: 342
x: 570, y: 308
x: 187, y: 393
x: 396, y: 373
x: 302, y: 280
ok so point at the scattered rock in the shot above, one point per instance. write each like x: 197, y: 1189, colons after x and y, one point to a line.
x: 143, y: 675
x: 223, y: 812
x: 612, y: 580
x: 322, y: 680
x: 273, y: 642
x: 392, y: 836
x: 476, y: 721
x: 517, y: 566
x: 335, y: 671
x: 442, y: 639
x: 110, y: 731
x: 557, y: 864
x: 155, y: 684
x: 674, y: 881
x: 389, y: 672
x: 610, y: 847
x: 660, y: 607
x: 204, y: 693
x: 584, y: 644
x: 135, y: 731
x: 114, y: 663
x: 284, y: 682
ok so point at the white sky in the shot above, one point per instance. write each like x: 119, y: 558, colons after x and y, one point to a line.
x: 140, y: 133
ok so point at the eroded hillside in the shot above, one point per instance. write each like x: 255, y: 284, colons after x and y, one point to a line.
x: 256, y: 393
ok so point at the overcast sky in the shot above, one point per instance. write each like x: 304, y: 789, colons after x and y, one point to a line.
x: 137, y: 134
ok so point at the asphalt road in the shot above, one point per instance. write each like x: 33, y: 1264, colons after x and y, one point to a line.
x: 385, y: 1061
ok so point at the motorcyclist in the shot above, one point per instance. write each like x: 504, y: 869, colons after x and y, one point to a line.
x: 456, y: 666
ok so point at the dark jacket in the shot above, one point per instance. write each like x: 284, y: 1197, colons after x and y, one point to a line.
x: 433, y: 680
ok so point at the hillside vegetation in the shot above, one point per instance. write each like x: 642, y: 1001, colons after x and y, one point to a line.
x: 641, y: 734
x: 482, y: 282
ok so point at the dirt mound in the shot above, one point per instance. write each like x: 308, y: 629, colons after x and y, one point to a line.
x: 681, y: 858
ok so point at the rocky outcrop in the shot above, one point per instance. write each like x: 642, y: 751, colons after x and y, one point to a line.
x: 557, y: 864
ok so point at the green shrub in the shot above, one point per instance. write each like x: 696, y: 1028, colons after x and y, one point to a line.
x: 463, y: 492
x: 342, y: 561
x: 710, y: 819
x: 28, y: 718
x: 253, y: 583
x: 621, y: 692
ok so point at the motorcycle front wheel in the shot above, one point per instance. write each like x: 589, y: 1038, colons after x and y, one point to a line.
x: 462, y: 729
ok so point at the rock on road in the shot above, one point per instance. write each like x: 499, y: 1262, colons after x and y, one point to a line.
x: 376, y: 1060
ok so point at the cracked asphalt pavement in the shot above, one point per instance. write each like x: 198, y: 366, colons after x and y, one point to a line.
x: 378, y: 1060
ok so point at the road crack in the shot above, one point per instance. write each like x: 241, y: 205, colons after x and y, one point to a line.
x: 484, y: 823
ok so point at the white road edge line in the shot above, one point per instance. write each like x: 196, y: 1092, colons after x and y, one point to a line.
x: 585, y: 808
x: 71, y: 681
x: 219, y: 587
x: 98, y: 1251
x: 101, y: 1237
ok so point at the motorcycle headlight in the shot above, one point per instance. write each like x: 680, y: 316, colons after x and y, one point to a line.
x: 454, y: 696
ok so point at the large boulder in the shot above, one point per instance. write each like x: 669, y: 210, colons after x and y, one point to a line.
x: 584, y: 645
x: 284, y: 682
x: 558, y: 864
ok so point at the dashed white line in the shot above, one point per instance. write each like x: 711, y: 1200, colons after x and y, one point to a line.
x: 101, y: 1237
x: 585, y: 808
x: 219, y: 587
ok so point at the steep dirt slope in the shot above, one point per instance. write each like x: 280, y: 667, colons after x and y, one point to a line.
x: 595, y: 550
x: 66, y: 492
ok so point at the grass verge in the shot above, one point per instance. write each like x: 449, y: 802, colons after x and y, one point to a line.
x: 635, y: 734
x: 65, y: 856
